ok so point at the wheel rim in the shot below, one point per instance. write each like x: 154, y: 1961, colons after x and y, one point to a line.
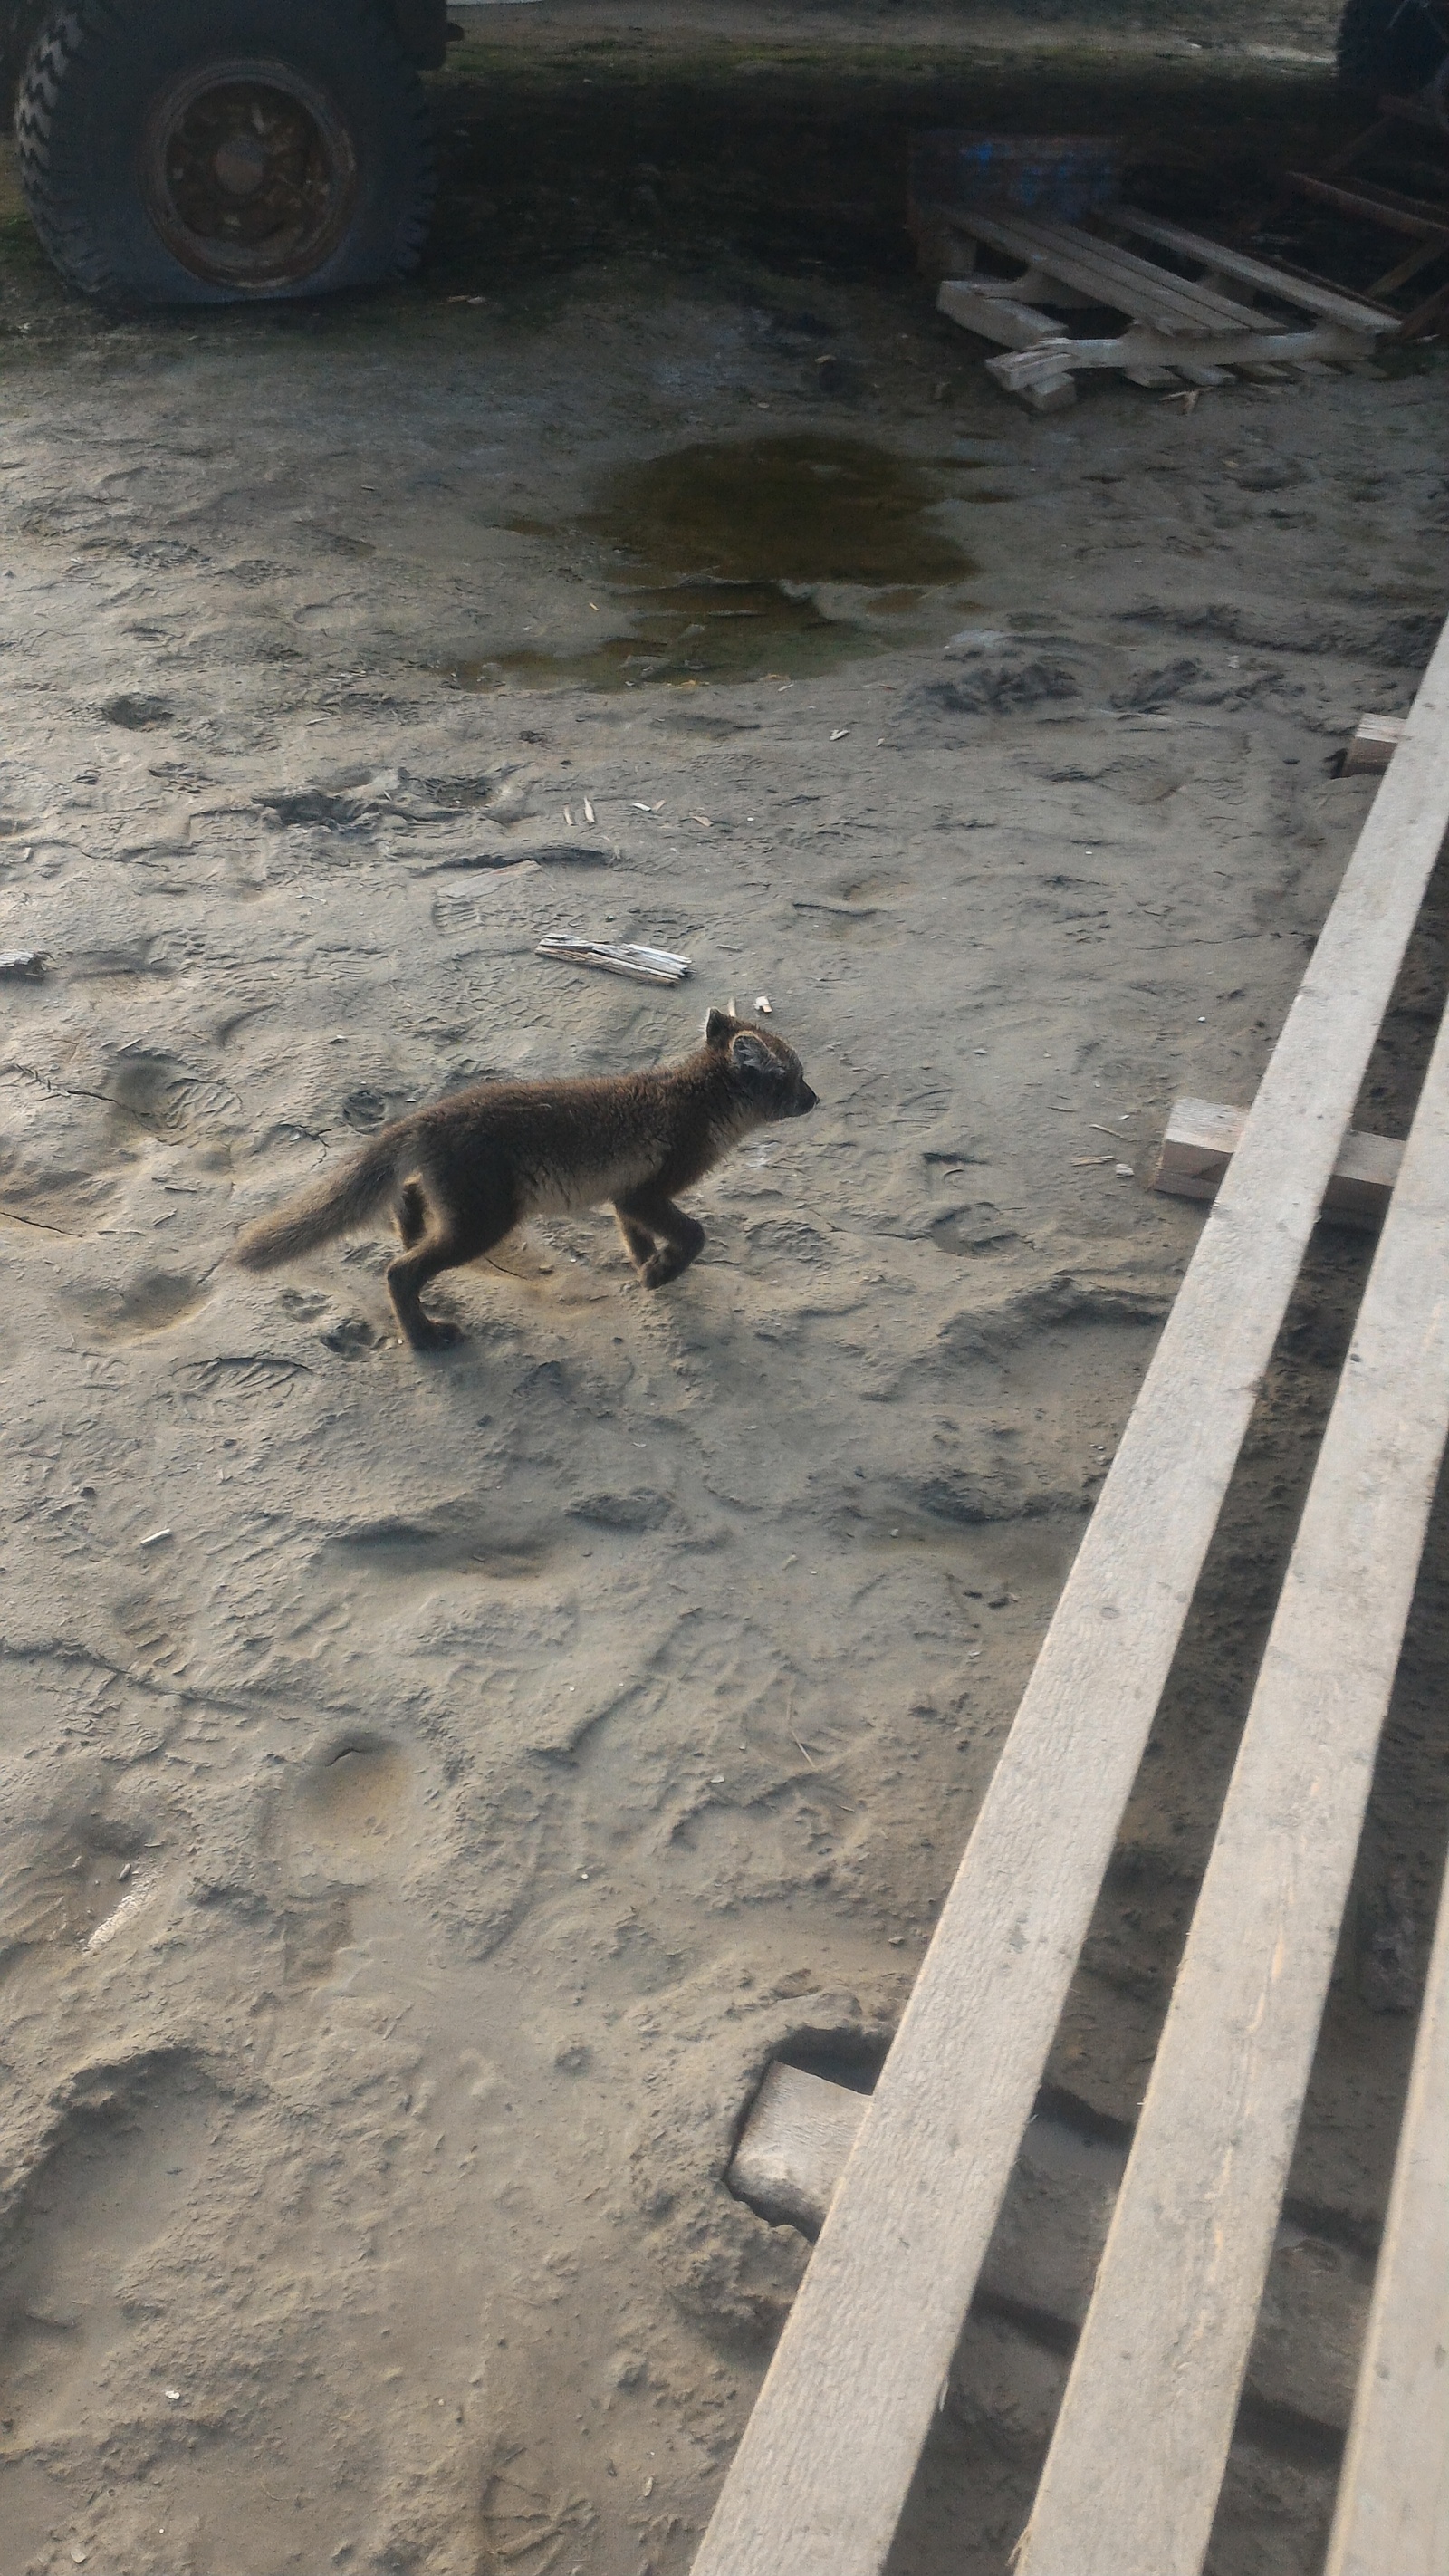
x: 248, y: 174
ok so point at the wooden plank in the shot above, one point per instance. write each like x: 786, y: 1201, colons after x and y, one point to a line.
x: 1330, y: 301
x: 1375, y: 205
x: 1393, y: 278
x: 1144, y: 344
x: 820, y: 2475
x: 1111, y: 275
x: 1393, y: 2495
x: 1143, y: 348
x: 1160, y: 2364
x: 1202, y: 1134
x: 1161, y: 289
x: 1375, y: 741
x: 1426, y: 317
x: 995, y: 317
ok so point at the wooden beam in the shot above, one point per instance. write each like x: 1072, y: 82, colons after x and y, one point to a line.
x: 1048, y: 2240
x: 1375, y: 741
x: 1393, y: 2496
x: 1202, y: 1134
x: 822, y: 2471
x: 794, y: 2146
x: 1159, y: 2367
x: 1376, y: 205
x: 1144, y: 353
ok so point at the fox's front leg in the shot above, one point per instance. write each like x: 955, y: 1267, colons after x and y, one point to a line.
x: 638, y: 1241
x: 648, y: 1215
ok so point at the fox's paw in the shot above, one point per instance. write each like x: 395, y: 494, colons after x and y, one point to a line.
x: 428, y: 1336
x: 661, y: 1267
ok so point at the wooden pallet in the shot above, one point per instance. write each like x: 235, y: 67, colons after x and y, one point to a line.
x: 1181, y: 329
x: 1129, y: 2489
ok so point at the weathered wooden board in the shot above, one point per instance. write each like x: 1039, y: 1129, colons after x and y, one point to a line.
x: 1160, y: 2363
x: 1393, y: 2495
x: 1144, y: 351
x: 1111, y: 275
x: 821, y: 2473
x: 1306, y: 293
x: 1201, y: 1137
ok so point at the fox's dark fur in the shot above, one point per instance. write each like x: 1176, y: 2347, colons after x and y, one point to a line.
x: 461, y: 1175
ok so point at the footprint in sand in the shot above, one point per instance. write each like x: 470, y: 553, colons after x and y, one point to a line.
x: 345, y: 1807
x: 151, y: 1302
x: 72, y: 1892
x: 123, y: 2167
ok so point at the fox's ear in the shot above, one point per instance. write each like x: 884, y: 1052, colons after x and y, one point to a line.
x: 719, y: 1028
x: 750, y: 1055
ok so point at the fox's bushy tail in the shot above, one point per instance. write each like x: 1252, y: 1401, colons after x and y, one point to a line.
x: 319, y: 1214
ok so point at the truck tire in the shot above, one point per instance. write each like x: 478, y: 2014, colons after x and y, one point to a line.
x: 227, y: 152
x: 1394, y: 45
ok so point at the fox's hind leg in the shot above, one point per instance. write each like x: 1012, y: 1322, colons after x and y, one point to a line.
x: 411, y: 1213
x: 447, y: 1244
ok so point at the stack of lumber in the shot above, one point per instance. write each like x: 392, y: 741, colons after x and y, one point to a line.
x: 1132, y: 2477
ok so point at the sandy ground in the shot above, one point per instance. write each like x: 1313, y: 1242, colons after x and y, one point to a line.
x: 432, y: 1789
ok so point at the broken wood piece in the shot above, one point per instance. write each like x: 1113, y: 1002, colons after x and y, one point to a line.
x: 1040, y: 376
x: 650, y: 965
x: 24, y: 965
x: 1203, y: 1134
x: 1375, y: 741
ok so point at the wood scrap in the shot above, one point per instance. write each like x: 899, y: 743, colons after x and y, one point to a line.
x: 649, y: 965
x: 1375, y: 741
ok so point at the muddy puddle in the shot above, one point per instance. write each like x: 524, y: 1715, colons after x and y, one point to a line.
x: 709, y: 562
